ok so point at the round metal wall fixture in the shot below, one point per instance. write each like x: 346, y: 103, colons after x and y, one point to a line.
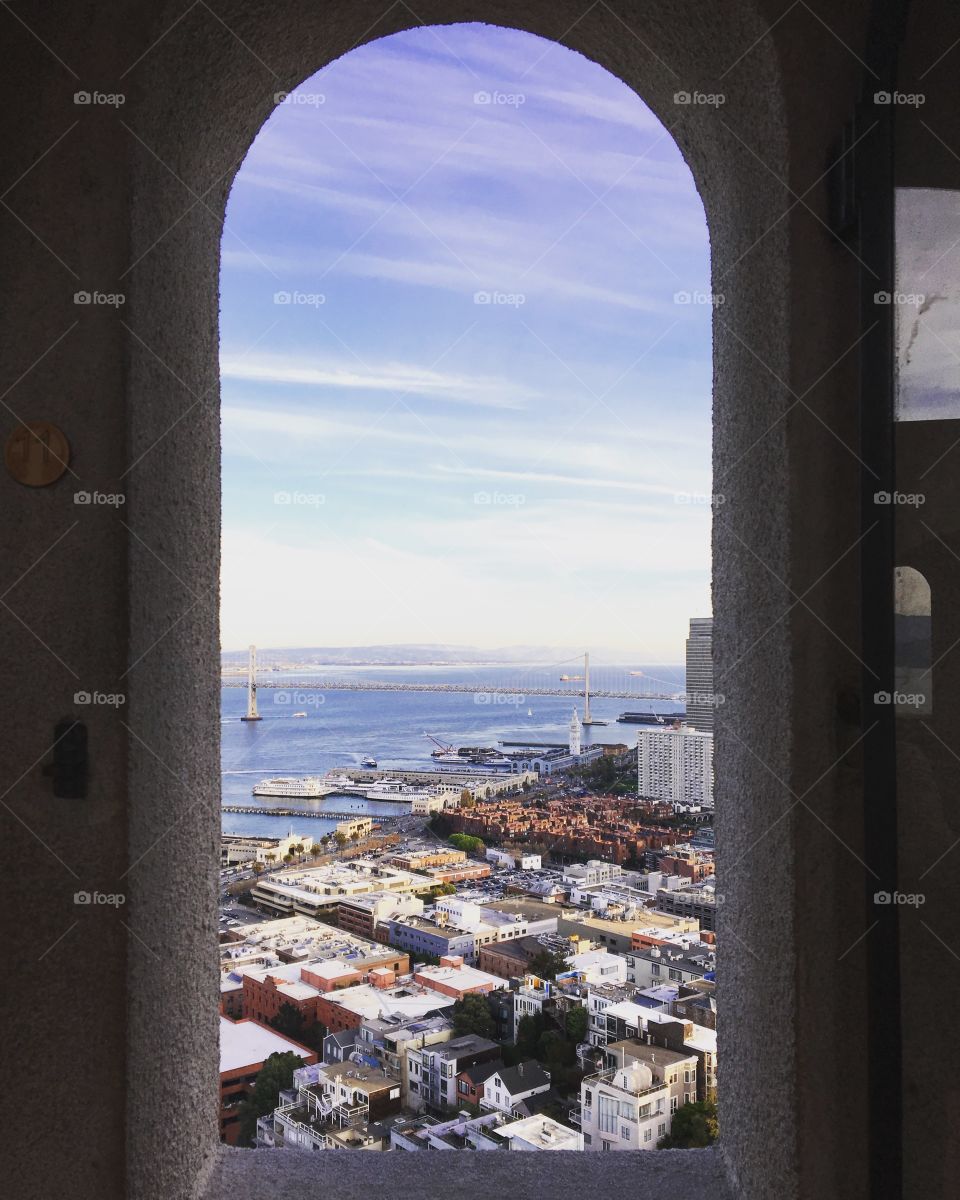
x: 37, y: 453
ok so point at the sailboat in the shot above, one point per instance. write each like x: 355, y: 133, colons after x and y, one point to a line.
x: 529, y: 712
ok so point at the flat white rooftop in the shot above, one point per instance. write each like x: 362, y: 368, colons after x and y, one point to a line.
x: 248, y: 1043
x: 459, y: 977
x: 544, y: 1133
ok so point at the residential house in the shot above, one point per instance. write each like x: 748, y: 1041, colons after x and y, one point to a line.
x: 507, y: 1087
x: 432, y: 1070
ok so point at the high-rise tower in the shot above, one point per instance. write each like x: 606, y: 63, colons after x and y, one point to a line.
x: 676, y: 765
x: 575, y: 734
x: 699, y: 685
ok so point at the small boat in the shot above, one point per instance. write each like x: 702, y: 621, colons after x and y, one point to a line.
x: 529, y: 712
x: 301, y: 714
x: 368, y: 761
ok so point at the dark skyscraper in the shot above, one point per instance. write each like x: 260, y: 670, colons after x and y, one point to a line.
x: 699, y: 685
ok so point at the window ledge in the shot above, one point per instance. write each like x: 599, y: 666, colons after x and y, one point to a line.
x: 563, y: 1175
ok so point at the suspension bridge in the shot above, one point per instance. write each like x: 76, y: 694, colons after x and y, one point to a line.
x: 254, y: 681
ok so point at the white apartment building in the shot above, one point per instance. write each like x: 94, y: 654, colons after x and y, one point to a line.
x: 590, y: 873
x: 311, y: 890
x: 670, y: 964
x: 515, y: 860
x: 624, y: 1109
x: 675, y: 765
x: 599, y: 966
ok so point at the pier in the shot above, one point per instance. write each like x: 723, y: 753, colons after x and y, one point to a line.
x: 302, y: 812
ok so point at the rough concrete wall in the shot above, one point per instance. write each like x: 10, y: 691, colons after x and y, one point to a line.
x: 928, y: 769
x: 143, y: 205
x: 63, y: 626
x: 672, y: 1174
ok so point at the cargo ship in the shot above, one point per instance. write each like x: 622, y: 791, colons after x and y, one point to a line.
x: 642, y: 718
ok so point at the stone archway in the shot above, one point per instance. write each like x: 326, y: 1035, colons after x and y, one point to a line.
x: 226, y: 79
x: 135, y: 204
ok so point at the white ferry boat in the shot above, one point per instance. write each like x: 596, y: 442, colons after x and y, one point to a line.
x: 341, y: 782
x: 369, y: 761
x: 396, y: 789
x: 285, y: 786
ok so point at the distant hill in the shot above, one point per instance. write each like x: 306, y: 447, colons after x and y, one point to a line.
x: 409, y: 653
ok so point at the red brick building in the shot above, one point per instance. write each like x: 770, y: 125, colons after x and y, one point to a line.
x: 244, y: 1047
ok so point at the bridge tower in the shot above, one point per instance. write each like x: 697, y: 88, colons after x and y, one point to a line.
x: 587, y: 719
x: 252, y: 714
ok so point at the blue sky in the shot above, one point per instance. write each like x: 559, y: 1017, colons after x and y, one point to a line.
x: 462, y: 401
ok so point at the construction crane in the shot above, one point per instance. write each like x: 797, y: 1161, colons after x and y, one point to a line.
x: 441, y: 747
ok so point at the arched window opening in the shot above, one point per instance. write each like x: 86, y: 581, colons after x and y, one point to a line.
x: 466, y: 381
x: 913, y: 633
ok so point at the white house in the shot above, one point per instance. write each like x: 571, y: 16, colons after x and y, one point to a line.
x: 508, y: 1086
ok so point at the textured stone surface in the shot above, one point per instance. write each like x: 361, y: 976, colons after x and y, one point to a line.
x: 565, y: 1175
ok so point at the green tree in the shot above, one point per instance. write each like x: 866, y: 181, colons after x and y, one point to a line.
x: 576, y: 1024
x: 258, y: 868
x: 317, y: 849
x: 548, y: 964
x: 466, y: 799
x: 288, y: 1021
x: 340, y: 838
x: 325, y: 840
x: 694, y: 1125
x: 530, y: 1029
x: 472, y: 1015
x: 466, y: 842
x: 275, y: 1075
x: 355, y: 836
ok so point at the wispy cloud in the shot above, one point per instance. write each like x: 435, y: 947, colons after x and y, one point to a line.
x: 396, y: 378
x: 523, y: 455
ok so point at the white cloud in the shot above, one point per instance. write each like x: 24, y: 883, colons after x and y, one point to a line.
x: 500, y: 200
x: 393, y: 378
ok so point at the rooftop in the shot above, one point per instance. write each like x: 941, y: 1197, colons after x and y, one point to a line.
x: 302, y: 936
x: 460, y: 1047
x: 247, y: 1043
x: 481, y: 1072
x: 357, y: 1075
x: 656, y: 1056
x: 531, y: 910
x: 407, y: 1002
x: 462, y: 977
x: 543, y: 1132
x: 524, y: 1076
